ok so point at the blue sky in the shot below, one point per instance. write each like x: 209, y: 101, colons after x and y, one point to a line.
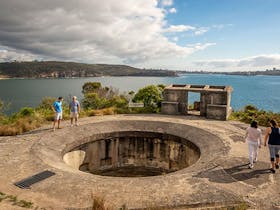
x: 243, y: 27
x: 240, y: 29
x: 213, y: 35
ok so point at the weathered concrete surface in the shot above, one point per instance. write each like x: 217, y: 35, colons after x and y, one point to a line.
x: 219, y: 178
x: 214, y: 100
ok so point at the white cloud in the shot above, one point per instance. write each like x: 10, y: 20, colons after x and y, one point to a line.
x: 200, y: 46
x: 8, y: 55
x: 201, y: 31
x: 88, y: 31
x: 167, y: 2
x: 175, y: 39
x: 254, y: 62
x: 172, y: 10
x: 221, y: 26
x: 179, y: 28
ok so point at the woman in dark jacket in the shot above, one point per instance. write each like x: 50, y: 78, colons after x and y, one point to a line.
x: 272, y: 134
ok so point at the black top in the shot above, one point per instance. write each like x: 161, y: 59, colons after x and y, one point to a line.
x: 274, y: 136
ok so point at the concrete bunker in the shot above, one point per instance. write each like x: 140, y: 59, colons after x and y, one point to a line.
x: 214, y: 101
x: 133, y: 154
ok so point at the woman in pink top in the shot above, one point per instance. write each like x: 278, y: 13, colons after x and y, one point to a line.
x: 253, y: 137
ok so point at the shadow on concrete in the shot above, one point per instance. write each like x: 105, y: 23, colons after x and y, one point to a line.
x: 39, y: 130
x: 241, y: 172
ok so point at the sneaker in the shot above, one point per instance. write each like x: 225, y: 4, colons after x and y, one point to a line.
x: 255, y: 160
x: 277, y: 166
x: 71, y: 125
x: 76, y: 124
x: 251, y: 166
x: 272, y: 170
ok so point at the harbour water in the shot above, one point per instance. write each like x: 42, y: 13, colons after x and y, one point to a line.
x: 261, y: 91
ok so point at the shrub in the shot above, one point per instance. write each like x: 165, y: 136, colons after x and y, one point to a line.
x: 92, y: 101
x: 26, y: 111
x: 46, y: 103
x: 90, y: 87
x: 118, y: 101
x: 102, y: 98
x: 151, y: 96
x: 250, y: 112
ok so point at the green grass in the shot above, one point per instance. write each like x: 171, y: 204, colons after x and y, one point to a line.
x: 14, y: 201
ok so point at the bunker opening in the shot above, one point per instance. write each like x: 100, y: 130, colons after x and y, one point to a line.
x: 193, y: 103
x: 133, y: 154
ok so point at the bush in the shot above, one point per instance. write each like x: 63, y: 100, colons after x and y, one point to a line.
x: 90, y: 87
x: 46, y: 103
x: 151, y: 96
x: 119, y: 102
x: 98, y: 97
x: 26, y: 111
x: 250, y: 113
x: 92, y: 101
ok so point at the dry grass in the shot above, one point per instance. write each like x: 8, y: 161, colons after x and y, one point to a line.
x: 19, y: 126
x: 100, y: 112
x: 99, y: 204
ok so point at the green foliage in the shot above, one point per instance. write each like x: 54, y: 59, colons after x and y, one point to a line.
x: 92, y: 101
x: 119, y: 102
x: 46, y: 103
x: 98, y: 97
x: 131, y: 93
x: 14, y: 201
x: 90, y: 87
x: 150, y: 95
x: 161, y: 87
x: 250, y: 108
x: 26, y: 111
x: 250, y: 113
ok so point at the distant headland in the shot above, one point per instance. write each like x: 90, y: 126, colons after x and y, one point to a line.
x: 270, y: 72
x: 58, y: 69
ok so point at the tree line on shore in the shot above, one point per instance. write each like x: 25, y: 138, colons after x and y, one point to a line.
x: 58, y: 69
x: 99, y: 100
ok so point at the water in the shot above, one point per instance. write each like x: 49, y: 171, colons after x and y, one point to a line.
x: 261, y: 91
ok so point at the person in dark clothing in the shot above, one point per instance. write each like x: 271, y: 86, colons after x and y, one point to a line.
x: 272, y: 134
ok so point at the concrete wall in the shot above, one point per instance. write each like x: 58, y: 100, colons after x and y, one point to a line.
x: 164, y: 155
x: 176, y: 101
x: 170, y: 107
x: 218, y: 112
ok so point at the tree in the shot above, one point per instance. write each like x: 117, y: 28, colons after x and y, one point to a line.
x: 149, y: 95
x: 93, y: 101
x: 90, y: 87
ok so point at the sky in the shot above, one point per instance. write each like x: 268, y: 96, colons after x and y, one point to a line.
x: 210, y: 35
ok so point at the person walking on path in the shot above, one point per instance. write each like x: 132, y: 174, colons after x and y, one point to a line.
x: 57, y: 108
x: 253, y: 137
x: 272, y: 134
x: 74, y: 107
